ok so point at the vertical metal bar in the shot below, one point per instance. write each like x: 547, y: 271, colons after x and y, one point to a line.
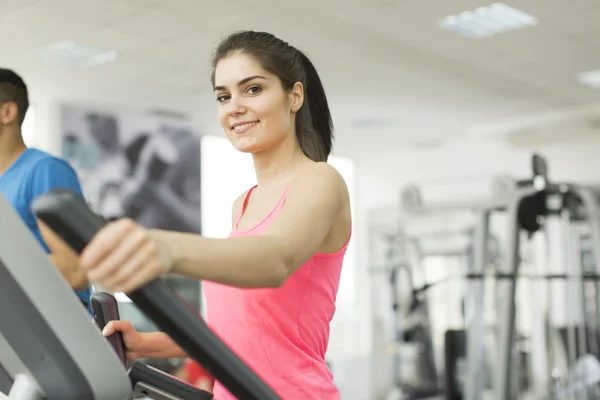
x: 578, y: 290
x: 590, y: 200
x: 474, y: 311
x: 539, y: 314
x: 506, y: 317
x: 571, y: 320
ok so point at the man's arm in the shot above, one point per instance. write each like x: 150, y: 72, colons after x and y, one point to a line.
x: 49, y: 174
x: 65, y: 259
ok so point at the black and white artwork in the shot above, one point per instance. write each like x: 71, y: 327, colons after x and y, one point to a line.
x: 138, y: 166
x: 143, y: 167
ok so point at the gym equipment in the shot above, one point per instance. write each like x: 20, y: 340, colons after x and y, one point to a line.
x: 532, y: 207
x: 528, y: 210
x: 145, y: 379
x: 410, y: 328
x: 49, y: 347
x: 105, y: 309
x: 459, y: 227
x: 69, y: 216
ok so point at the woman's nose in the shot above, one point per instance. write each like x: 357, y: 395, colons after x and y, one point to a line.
x: 236, y: 106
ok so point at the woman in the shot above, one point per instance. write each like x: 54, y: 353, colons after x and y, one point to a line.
x: 271, y: 286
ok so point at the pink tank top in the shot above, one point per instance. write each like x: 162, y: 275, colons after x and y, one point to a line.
x: 282, y: 334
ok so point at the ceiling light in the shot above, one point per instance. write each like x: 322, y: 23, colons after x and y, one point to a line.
x: 488, y: 21
x: 71, y: 53
x: 590, y: 78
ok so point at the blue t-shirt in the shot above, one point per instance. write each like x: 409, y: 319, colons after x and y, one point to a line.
x: 35, y: 173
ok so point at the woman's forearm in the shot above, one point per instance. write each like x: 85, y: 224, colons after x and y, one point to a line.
x: 160, y: 345
x: 247, y: 262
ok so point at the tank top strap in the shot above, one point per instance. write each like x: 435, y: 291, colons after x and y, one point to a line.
x: 279, y: 205
x: 244, y: 205
x: 274, y: 212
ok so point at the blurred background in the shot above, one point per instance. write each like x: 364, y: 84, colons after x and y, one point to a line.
x: 439, y: 108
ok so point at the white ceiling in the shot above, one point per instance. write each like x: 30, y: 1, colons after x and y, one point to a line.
x: 392, y: 75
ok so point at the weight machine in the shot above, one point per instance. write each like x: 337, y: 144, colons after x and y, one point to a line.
x: 528, y: 206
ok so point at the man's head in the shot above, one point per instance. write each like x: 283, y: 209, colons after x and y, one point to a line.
x: 14, y: 100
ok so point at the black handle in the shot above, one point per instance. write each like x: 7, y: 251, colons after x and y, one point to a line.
x: 142, y: 373
x: 106, y: 308
x: 68, y: 215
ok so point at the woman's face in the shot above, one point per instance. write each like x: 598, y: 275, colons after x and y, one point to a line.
x: 256, y: 113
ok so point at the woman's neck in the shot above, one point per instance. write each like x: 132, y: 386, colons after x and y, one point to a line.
x: 278, y: 164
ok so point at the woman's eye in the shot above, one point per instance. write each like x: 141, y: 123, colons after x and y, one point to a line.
x: 222, y: 98
x: 253, y: 89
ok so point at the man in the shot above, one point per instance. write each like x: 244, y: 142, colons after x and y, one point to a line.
x: 26, y: 173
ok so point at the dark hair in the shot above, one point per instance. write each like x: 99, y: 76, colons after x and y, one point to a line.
x: 314, y: 127
x: 13, y: 88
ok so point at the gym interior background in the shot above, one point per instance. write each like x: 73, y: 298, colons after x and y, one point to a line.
x: 433, y: 102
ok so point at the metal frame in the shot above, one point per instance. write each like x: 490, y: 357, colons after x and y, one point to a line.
x: 509, y: 200
x: 504, y: 388
x: 39, y: 349
x: 504, y: 384
x: 474, y: 310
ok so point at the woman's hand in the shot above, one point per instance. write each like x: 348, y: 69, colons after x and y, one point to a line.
x: 135, y: 342
x: 144, y: 345
x: 124, y: 256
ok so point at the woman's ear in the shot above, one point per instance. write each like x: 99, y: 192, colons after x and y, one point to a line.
x: 297, y: 96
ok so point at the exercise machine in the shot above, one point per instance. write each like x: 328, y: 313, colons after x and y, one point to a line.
x: 145, y: 379
x: 528, y: 212
x: 414, y: 373
x: 563, y: 359
x: 50, y: 349
x: 464, y: 224
x: 70, y: 217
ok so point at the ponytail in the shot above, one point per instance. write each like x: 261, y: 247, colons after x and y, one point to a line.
x: 315, y: 127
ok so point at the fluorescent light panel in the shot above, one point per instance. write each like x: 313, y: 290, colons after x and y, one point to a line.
x: 488, y: 21
x: 71, y: 53
x: 590, y: 78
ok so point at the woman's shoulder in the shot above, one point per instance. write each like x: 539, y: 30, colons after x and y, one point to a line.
x: 318, y: 174
x: 321, y: 185
x: 322, y: 171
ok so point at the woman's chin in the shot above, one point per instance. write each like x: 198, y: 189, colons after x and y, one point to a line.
x: 245, y: 146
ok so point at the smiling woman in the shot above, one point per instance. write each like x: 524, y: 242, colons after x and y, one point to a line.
x: 268, y: 64
x: 271, y: 285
